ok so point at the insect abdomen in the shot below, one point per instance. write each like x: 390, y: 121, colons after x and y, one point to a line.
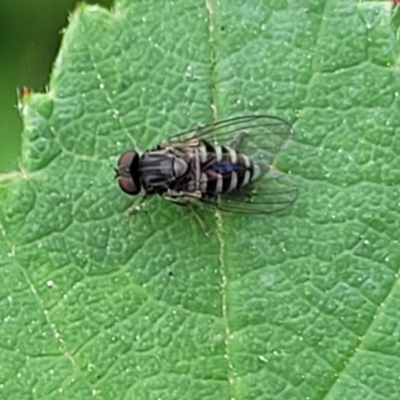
x: 227, y: 170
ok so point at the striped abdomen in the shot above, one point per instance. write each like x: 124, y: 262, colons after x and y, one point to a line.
x: 220, y: 169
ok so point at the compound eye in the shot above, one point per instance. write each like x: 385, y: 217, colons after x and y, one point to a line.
x: 126, y: 166
x: 127, y: 185
x: 126, y: 159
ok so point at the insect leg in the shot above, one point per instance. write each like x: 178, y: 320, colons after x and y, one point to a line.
x: 134, y: 207
x: 236, y: 140
x: 186, y: 199
x: 199, y: 220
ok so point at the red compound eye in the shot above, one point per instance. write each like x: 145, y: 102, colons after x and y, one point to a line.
x: 128, y: 186
x: 127, y: 168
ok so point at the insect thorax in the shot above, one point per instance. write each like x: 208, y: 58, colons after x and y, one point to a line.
x: 160, y: 169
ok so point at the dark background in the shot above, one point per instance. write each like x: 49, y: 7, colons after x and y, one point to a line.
x: 30, y: 35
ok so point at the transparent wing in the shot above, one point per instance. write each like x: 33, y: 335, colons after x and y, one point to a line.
x: 274, y: 192
x: 262, y: 135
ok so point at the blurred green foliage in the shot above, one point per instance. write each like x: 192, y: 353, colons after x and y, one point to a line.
x: 30, y: 34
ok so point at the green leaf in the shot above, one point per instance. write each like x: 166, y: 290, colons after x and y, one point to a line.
x: 300, y: 305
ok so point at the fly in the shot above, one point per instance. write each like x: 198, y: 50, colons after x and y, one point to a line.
x: 226, y: 165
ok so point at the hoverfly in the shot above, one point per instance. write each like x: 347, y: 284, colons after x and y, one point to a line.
x: 226, y: 164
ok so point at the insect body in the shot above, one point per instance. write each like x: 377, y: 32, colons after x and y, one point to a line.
x: 226, y: 164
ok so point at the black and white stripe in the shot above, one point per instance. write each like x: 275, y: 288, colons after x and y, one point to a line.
x: 208, y: 181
